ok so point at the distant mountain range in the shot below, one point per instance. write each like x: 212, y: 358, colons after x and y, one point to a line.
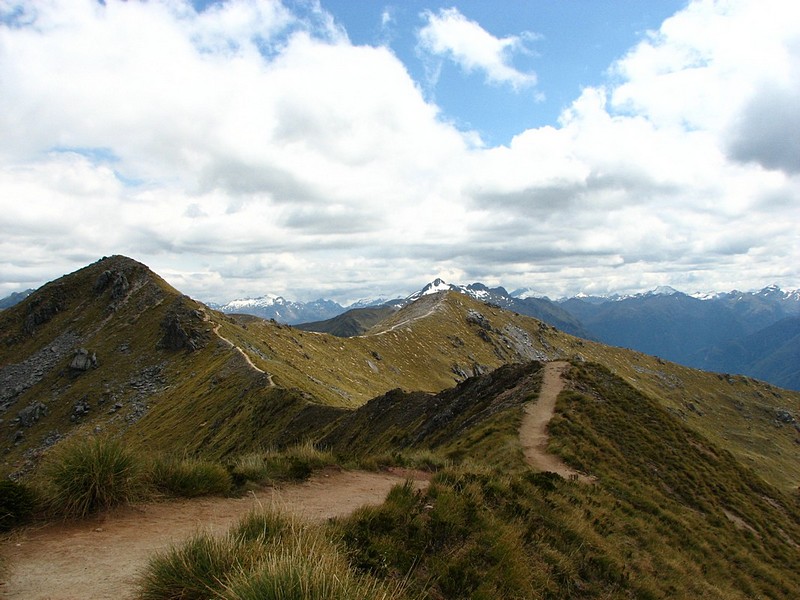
x: 751, y: 333
x: 732, y: 332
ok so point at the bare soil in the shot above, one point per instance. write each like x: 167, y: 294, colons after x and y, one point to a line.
x: 533, y: 431
x: 101, y: 557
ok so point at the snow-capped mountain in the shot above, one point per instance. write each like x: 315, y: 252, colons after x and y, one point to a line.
x: 282, y: 310
x: 539, y: 308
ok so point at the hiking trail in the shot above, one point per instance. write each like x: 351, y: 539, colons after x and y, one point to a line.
x: 100, y: 557
x: 533, y: 430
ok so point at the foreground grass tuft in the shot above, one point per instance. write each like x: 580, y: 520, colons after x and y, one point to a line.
x: 194, y: 570
x: 92, y: 474
x: 190, y: 477
x: 266, y: 555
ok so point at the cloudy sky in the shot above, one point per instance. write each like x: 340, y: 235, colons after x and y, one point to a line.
x: 346, y: 148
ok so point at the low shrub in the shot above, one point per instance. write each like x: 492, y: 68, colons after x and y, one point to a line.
x: 18, y: 502
x: 91, y: 474
x: 189, y: 477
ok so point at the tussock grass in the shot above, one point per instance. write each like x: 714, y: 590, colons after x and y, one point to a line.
x: 91, y: 474
x: 307, y: 567
x: 266, y: 555
x: 295, y: 463
x: 189, y: 477
x: 18, y: 503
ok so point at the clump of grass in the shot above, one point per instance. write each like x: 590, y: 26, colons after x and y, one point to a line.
x: 91, y: 474
x: 309, y: 568
x: 263, y: 525
x: 195, y: 569
x: 189, y: 477
x: 295, y: 463
x: 266, y: 555
x: 18, y: 502
x: 424, y: 460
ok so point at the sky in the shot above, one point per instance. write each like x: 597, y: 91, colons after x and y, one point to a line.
x: 352, y: 148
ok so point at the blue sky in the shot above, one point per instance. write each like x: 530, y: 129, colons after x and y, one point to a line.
x: 567, y: 44
x: 346, y: 149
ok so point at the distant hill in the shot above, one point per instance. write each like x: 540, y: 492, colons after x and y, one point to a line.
x: 355, y: 321
x: 14, y: 298
x: 710, y: 332
x: 771, y: 354
x: 282, y: 310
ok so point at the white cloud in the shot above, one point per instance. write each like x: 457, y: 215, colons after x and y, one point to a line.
x: 451, y: 34
x: 250, y: 149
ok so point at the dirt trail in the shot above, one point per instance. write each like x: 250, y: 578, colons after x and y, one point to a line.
x: 247, y: 358
x: 537, y: 415
x: 100, y: 558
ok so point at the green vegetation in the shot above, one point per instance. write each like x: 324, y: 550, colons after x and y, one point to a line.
x: 189, y: 477
x: 265, y: 556
x: 90, y: 474
x: 671, y: 515
x: 295, y: 463
x: 18, y: 503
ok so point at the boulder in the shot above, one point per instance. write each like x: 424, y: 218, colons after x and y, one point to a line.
x: 83, y: 361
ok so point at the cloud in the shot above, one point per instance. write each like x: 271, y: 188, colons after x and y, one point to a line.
x: 252, y: 148
x: 449, y: 33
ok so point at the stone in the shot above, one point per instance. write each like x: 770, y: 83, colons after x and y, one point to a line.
x: 32, y: 413
x: 83, y: 361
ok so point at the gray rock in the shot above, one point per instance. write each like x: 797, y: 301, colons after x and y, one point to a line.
x: 784, y: 416
x: 83, y: 361
x: 31, y: 414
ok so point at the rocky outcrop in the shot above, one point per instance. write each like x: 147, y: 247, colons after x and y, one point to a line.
x: 116, y: 280
x: 83, y: 361
x: 43, y: 307
x: 31, y: 414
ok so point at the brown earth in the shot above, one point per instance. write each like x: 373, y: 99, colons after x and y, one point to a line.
x: 533, y: 430
x: 100, y: 557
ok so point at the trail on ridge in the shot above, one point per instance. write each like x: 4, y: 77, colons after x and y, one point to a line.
x: 100, y: 557
x: 533, y: 430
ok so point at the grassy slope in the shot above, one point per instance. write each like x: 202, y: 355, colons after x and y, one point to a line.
x: 671, y: 515
x: 210, y: 400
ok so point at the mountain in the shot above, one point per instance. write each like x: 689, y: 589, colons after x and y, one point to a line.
x: 114, y: 348
x: 14, y: 298
x: 694, y: 474
x: 771, y: 354
x: 355, y: 321
x: 282, y: 310
x: 531, y: 306
x: 674, y: 326
x: 701, y: 331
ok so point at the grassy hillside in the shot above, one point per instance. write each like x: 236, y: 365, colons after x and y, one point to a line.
x: 671, y: 515
x: 175, y: 376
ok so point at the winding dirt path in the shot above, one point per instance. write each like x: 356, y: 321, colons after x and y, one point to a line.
x: 246, y: 357
x: 537, y: 415
x: 99, y: 558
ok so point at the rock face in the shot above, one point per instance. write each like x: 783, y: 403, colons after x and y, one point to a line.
x: 175, y: 336
x: 83, y: 361
x: 45, y: 307
x: 116, y: 280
